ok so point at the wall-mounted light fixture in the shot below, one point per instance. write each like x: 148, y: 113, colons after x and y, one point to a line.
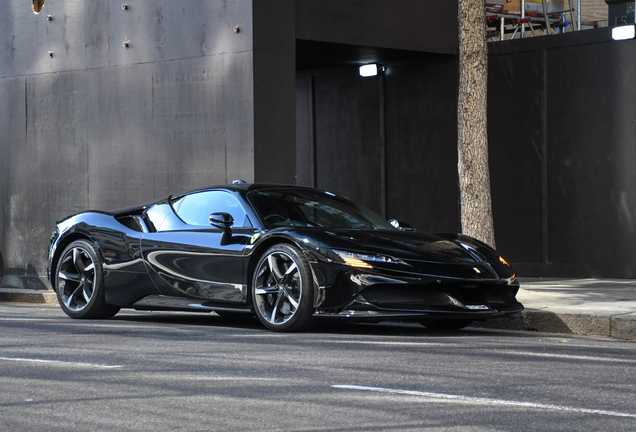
x: 369, y: 70
x: 124, y: 7
x: 624, y: 32
x: 126, y: 44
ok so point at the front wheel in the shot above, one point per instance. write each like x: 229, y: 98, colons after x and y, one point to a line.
x: 80, y: 282
x: 283, y: 289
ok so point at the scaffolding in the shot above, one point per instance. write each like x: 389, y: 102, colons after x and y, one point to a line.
x: 515, y: 17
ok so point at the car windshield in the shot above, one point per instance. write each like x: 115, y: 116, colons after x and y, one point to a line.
x: 309, y: 208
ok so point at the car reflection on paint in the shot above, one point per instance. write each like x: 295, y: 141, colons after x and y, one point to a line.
x: 290, y: 255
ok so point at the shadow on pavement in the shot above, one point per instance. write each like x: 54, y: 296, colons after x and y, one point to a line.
x: 250, y: 322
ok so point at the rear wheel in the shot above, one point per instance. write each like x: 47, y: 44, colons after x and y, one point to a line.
x: 283, y: 289
x: 80, y: 282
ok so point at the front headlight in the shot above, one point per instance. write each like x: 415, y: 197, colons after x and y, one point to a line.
x: 359, y: 260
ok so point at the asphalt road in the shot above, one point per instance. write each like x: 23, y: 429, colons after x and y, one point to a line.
x: 177, y: 371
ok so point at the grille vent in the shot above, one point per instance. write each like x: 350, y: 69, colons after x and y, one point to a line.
x: 392, y: 296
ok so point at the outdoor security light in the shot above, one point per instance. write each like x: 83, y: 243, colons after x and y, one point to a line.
x: 369, y: 70
x: 624, y: 32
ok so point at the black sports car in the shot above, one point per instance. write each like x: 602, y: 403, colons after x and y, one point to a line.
x: 288, y: 254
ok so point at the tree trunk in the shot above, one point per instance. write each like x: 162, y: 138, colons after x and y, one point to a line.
x: 474, y: 174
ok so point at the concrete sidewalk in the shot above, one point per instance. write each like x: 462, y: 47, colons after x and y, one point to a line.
x: 602, y: 307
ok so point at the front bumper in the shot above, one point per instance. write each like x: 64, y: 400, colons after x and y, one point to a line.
x: 375, y: 296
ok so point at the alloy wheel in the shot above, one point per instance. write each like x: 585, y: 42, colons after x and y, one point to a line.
x: 76, y: 279
x: 278, y: 287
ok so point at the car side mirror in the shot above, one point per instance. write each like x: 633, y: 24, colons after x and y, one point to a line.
x: 223, y: 221
x: 402, y: 226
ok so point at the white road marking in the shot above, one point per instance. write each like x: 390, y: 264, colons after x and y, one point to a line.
x: 59, y: 363
x: 464, y: 347
x: 566, y: 356
x: 215, y: 378
x: 477, y: 400
x: 349, y: 342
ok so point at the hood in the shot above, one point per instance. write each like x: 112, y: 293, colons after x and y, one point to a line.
x: 407, y: 245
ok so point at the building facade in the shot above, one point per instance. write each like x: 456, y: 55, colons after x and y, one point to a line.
x: 105, y: 105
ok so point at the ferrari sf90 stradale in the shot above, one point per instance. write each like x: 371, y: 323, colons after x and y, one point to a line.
x: 288, y: 254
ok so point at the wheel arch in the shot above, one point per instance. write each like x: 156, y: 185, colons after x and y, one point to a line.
x: 62, y: 244
x: 258, y: 251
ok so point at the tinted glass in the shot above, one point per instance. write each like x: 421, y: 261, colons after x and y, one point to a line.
x: 309, y: 208
x: 195, y: 209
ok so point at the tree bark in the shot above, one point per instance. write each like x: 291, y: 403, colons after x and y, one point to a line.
x: 474, y: 173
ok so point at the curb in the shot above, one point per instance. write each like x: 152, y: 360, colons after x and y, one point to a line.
x: 620, y: 326
x: 12, y: 295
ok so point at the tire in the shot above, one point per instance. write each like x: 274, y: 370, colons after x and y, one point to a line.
x: 456, y: 324
x: 79, y: 282
x: 283, y: 289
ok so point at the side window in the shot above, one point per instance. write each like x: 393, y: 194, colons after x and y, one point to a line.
x: 196, y: 209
